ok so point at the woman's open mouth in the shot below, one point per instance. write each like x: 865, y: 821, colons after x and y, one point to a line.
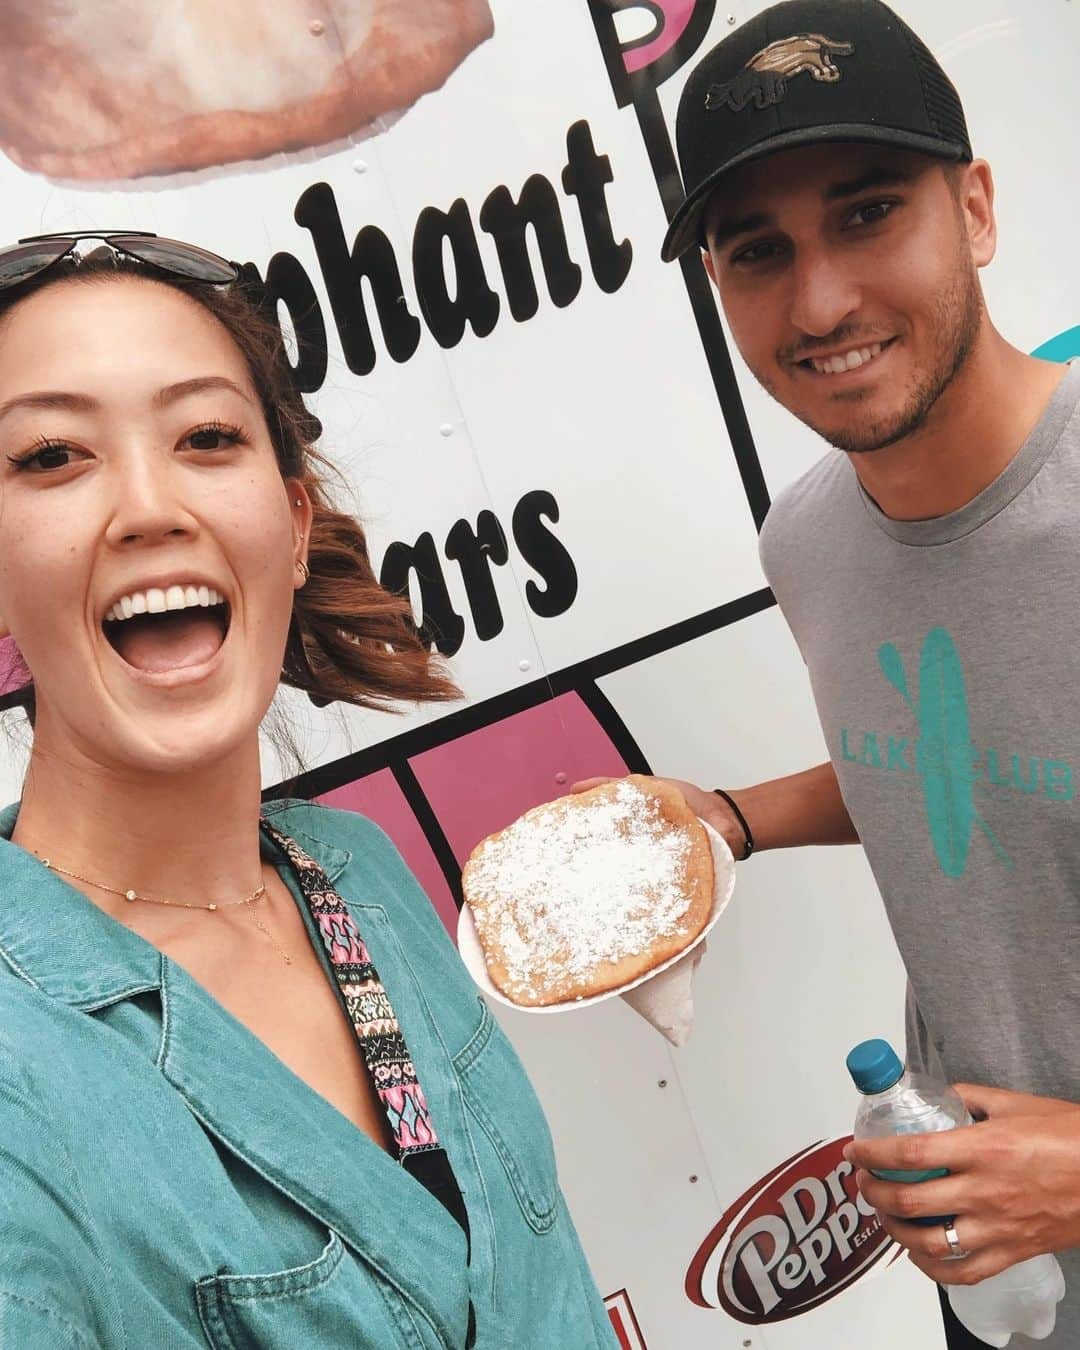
x: 161, y: 631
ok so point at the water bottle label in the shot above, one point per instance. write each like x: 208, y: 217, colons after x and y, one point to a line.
x: 927, y: 1174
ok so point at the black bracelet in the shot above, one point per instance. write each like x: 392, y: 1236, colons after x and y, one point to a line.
x: 749, y: 847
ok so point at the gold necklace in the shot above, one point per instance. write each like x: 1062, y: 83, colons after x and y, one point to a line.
x: 132, y: 895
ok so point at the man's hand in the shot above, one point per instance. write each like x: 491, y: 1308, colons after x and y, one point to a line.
x: 1014, y: 1185
x: 706, y: 806
x: 804, y: 808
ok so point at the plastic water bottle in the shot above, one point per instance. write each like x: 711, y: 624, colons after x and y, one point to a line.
x: 1022, y: 1298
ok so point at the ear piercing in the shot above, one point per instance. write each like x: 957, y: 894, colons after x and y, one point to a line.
x: 305, y: 571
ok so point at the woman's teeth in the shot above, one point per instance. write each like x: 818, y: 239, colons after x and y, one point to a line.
x: 852, y: 360
x: 157, y: 601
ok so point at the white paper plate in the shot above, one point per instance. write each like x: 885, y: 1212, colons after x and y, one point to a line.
x: 472, y: 954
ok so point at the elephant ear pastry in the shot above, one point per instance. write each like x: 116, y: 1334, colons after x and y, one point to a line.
x: 103, y: 90
x: 589, y: 892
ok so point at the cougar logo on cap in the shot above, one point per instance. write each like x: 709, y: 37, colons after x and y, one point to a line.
x: 763, y: 80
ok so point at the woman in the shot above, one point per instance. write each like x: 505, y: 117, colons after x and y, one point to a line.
x: 248, y: 1095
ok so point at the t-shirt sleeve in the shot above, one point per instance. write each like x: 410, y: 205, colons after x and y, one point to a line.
x: 775, y: 546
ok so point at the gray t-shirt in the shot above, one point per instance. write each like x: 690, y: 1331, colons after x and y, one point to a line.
x: 945, y: 661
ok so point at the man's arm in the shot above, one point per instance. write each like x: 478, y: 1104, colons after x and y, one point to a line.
x: 804, y: 808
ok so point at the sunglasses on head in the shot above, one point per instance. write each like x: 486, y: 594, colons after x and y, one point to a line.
x: 38, y: 252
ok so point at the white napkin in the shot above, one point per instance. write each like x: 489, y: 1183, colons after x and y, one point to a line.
x: 667, y: 1001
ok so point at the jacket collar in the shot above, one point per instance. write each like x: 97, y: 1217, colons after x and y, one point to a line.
x: 56, y: 939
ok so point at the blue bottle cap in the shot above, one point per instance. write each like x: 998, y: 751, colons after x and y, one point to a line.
x: 874, y: 1066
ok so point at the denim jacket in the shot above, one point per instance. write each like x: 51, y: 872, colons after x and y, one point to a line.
x: 166, y: 1181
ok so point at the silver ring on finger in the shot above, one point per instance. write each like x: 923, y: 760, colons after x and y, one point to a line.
x: 956, y: 1252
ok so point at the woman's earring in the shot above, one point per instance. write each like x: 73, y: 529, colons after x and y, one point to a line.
x: 305, y: 571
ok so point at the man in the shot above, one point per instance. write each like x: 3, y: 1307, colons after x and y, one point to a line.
x: 929, y: 574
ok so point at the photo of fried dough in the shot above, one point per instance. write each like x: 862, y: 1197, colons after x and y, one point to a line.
x: 105, y: 90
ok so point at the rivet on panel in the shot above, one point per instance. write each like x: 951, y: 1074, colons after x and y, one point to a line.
x: 662, y: 1083
x: 316, y: 28
x: 359, y: 166
x: 732, y: 19
x: 693, y: 1178
x: 560, y: 778
x: 524, y: 664
x: 446, y: 429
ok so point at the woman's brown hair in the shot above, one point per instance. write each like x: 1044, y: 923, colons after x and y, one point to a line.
x: 350, y: 639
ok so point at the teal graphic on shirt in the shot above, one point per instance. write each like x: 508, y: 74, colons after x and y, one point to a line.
x: 1064, y: 347
x: 943, y: 757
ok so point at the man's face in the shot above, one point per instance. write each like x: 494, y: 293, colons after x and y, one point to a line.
x: 848, y: 278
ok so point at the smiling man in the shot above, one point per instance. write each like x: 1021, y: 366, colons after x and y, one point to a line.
x: 928, y: 568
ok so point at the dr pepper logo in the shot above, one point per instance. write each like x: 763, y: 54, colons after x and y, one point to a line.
x: 791, y: 1242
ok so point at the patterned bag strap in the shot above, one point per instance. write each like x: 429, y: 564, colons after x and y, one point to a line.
x: 380, y: 1039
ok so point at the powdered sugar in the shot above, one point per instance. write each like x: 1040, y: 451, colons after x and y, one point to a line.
x: 560, y: 892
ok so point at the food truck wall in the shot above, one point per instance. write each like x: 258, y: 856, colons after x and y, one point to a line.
x: 556, y: 449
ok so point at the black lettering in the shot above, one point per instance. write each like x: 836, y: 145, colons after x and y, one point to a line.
x: 373, y: 258
x: 506, y: 221
x: 474, y: 552
x: 475, y: 301
x: 545, y: 554
x: 288, y: 284
x: 585, y: 177
x: 439, y: 624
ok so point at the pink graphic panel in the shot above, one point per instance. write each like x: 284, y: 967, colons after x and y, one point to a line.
x: 13, y: 673
x: 677, y: 14
x: 482, y: 781
x: 380, y: 799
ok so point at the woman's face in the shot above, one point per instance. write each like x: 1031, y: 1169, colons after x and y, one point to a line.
x: 136, y: 471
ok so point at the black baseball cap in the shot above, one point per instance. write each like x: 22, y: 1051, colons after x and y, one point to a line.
x: 802, y: 73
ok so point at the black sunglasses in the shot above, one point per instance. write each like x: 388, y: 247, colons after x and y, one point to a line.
x: 38, y: 252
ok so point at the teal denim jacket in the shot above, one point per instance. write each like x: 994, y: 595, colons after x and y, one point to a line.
x: 167, y: 1183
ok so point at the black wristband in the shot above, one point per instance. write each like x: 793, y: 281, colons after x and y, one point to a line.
x: 749, y: 846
